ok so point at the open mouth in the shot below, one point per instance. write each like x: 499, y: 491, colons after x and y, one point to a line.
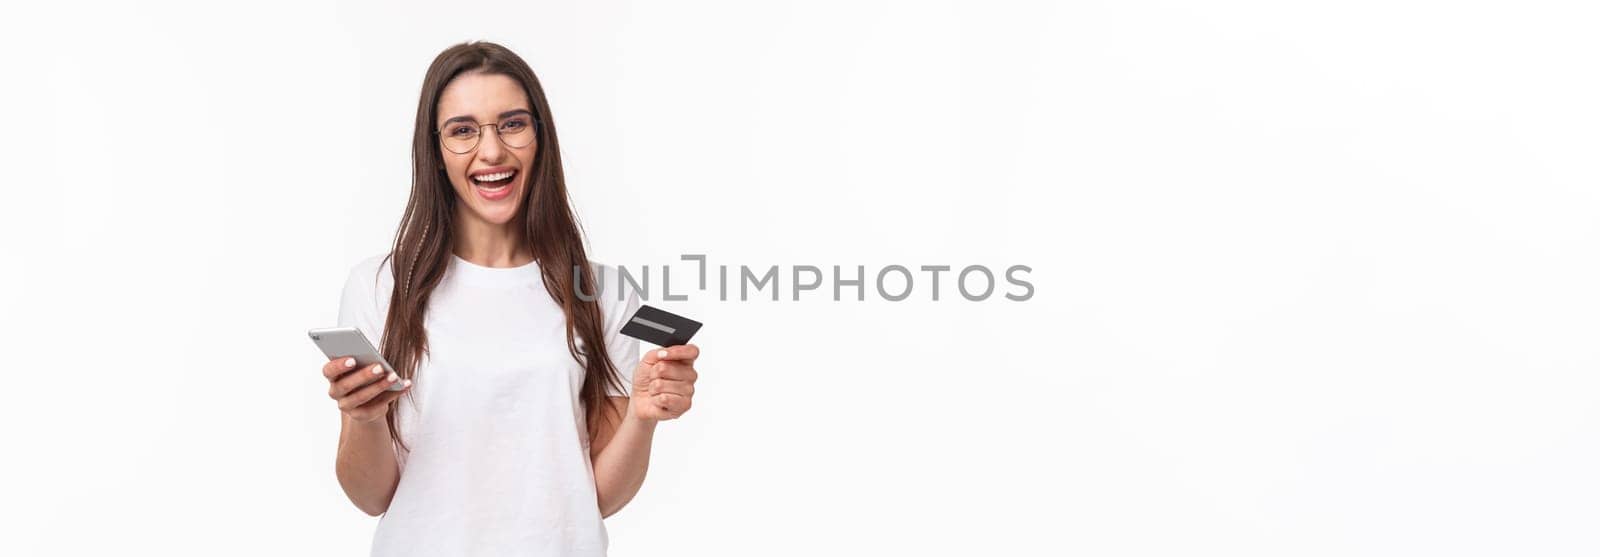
x: 494, y: 183
x: 494, y: 180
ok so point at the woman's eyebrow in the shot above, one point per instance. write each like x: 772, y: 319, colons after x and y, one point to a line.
x: 509, y: 113
x: 503, y: 115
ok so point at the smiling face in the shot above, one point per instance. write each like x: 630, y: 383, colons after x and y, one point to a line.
x: 491, y: 179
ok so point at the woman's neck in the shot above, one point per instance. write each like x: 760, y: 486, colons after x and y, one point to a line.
x: 490, y: 245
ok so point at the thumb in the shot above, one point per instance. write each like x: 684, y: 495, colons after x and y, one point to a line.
x: 653, y: 356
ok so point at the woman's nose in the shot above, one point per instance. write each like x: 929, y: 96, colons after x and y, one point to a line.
x: 489, y: 146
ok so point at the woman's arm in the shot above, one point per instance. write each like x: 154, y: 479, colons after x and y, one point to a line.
x: 366, y: 464
x: 663, y: 387
x: 621, y: 455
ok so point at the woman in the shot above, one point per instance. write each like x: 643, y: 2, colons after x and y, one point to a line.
x: 514, y: 433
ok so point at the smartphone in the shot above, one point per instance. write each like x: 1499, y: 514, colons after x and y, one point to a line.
x: 341, y: 342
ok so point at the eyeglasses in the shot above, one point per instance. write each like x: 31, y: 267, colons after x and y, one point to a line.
x: 461, y: 136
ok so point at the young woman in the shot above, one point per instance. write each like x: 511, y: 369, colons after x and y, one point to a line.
x: 515, y: 432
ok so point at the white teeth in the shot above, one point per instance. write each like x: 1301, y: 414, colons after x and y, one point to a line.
x: 495, y: 176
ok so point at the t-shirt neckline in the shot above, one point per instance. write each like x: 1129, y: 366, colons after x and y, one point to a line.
x: 474, y: 273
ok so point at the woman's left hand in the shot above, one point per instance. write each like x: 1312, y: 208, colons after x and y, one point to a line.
x: 663, y: 384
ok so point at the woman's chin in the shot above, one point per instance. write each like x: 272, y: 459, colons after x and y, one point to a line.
x: 494, y: 209
x: 497, y: 215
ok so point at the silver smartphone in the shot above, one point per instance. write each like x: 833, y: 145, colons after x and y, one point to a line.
x: 341, y: 342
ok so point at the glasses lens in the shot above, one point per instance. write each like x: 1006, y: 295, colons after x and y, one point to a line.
x: 459, y: 137
x: 517, y: 131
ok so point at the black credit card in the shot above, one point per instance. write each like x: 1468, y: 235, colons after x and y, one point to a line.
x: 659, y: 327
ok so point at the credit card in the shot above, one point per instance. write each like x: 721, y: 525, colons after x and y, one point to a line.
x: 660, y: 327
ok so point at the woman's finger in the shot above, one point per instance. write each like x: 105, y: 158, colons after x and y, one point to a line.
x: 366, y: 393
x: 682, y: 353
x: 672, y: 403
x: 358, y: 379
x: 337, y: 366
x: 684, y: 388
x: 376, y: 407
x: 675, y: 371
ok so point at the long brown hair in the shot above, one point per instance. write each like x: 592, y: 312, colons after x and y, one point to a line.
x: 422, y: 245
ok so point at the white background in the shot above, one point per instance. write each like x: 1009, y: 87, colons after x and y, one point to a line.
x: 1311, y: 278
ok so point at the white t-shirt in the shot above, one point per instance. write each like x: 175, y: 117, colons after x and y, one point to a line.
x: 499, y: 455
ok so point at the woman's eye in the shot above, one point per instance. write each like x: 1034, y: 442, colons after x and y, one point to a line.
x: 514, y: 125
x: 461, y: 131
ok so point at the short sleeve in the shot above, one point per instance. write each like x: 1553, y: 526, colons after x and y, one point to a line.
x: 623, y: 349
x: 358, y: 305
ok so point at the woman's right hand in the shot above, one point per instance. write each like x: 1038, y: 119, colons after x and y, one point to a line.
x: 363, y: 394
